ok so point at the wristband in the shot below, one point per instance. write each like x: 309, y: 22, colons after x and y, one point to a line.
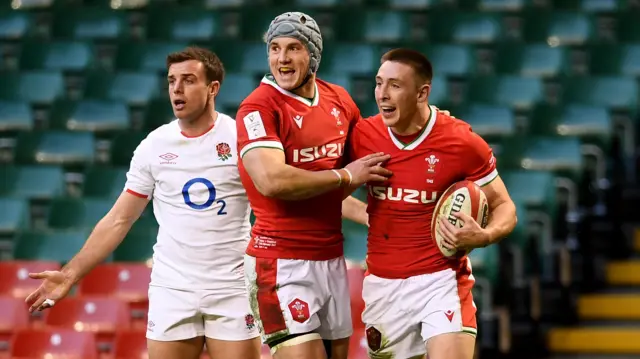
x: 339, y: 177
x: 349, y: 174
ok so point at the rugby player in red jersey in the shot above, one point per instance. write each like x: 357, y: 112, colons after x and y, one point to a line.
x: 292, y: 132
x: 418, y: 300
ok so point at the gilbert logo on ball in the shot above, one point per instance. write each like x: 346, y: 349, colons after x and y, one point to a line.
x: 465, y: 197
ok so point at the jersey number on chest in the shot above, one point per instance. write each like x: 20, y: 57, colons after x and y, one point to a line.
x: 209, y: 202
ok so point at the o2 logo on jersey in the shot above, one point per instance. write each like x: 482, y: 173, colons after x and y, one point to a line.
x: 403, y: 195
x: 310, y: 154
x: 209, y: 202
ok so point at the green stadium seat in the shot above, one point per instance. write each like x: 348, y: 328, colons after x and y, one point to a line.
x: 489, y: 120
x: 539, y: 60
x: 451, y: 59
x: 14, y: 25
x: 123, y: 147
x: 77, y: 213
x: 503, y: 5
x: 32, y: 4
x: 317, y: 3
x: 223, y: 4
x: 368, y: 108
x: 486, y: 263
x: 32, y: 182
x: 254, y: 58
x: 35, y: 87
x: 460, y: 27
x: 133, y: 88
x: 104, y: 182
x: 147, y: 56
x: 160, y: 112
x: 615, y: 60
x: 15, y: 116
x: 518, y: 92
x: 509, y: 150
x: 439, y: 94
x: 255, y: 21
x: 14, y: 215
x: 338, y: 79
x: 585, y: 121
x: 138, y: 244
x: 93, y: 23
x: 534, y: 189
x: 380, y: 26
x: 413, y: 4
x: 519, y: 237
x: 602, y: 5
x: 91, y: 115
x: 64, y: 56
x: 355, y: 240
x: 236, y: 88
x: 356, y: 59
x: 559, y: 28
x: 610, y: 91
x: 184, y: 24
x: 55, y: 147
x: 553, y: 154
x: 58, y: 246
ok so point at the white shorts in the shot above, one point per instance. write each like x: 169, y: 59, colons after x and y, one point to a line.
x: 217, y: 314
x: 291, y: 296
x: 402, y: 314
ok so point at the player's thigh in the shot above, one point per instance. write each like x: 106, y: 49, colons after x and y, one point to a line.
x: 299, y: 346
x: 458, y: 345
x: 173, y: 315
x: 284, y: 299
x: 226, y: 349
x: 390, y: 331
x: 179, y: 349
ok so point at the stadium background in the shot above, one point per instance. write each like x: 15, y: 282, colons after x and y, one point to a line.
x: 552, y: 85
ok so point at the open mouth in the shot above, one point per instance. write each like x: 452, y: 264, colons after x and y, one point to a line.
x: 388, y: 110
x: 179, y: 104
x: 286, y: 71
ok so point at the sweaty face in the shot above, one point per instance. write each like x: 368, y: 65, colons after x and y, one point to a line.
x: 188, y: 89
x: 396, y: 93
x: 288, y: 61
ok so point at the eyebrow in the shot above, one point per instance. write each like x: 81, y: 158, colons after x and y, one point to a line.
x: 183, y: 75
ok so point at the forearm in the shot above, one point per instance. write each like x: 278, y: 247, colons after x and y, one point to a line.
x: 290, y: 183
x: 104, y: 239
x: 355, y: 210
x: 502, y: 221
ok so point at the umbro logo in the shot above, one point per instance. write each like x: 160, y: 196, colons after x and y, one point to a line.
x: 168, y: 158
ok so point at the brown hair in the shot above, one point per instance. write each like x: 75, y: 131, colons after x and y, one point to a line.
x: 419, y: 62
x: 214, y: 69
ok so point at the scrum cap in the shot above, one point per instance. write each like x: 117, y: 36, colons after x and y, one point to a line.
x: 302, y: 27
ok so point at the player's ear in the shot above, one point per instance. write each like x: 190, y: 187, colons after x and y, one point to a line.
x: 423, y: 93
x: 214, y: 88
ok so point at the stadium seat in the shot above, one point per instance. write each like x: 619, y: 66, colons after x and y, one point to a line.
x: 15, y: 276
x: 589, y: 123
x: 100, y: 315
x: 91, y: 115
x: 56, y: 147
x: 89, y: 23
x: 14, y: 215
x: 355, y: 59
x: 559, y: 28
x: 57, y: 246
x: 104, y: 182
x: 185, y: 24
x: 553, y: 154
x: 338, y: 79
x: 413, y: 4
x: 76, y: 213
x: 356, y: 277
x: 490, y: 121
x: 147, y: 56
x: 451, y: 59
x: 619, y: 93
x: 53, y: 343
x: 254, y: 58
x: 535, y: 189
x: 14, y: 25
x: 63, y: 56
x: 13, y: 316
x: 123, y: 147
x: 138, y: 244
x: 132, y: 88
x: 255, y: 21
x: 15, y: 116
x: 34, y: 87
x: 514, y: 91
x: 32, y: 182
x: 32, y: 4
x: 602, y: 5
x: 466, y: 28
x: 236, y: 88
x: 317, y: 3
x: 376, y: 27
x: 130, y: 344
x: 486, y: 263
x: 502, y: 5
x: 615, y: 59
x: 439, y: 94
x: 532, y: 60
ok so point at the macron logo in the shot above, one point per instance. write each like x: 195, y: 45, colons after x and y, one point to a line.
x: 298, y: 120
x: 168, y: 158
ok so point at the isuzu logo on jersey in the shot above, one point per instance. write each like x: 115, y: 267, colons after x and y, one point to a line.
x: 310, y: 154
x: 403, y: 195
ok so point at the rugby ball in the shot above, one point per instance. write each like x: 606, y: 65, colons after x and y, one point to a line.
x: 466, y: 197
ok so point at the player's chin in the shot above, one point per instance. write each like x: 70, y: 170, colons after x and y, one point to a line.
x: 390, y: 119
x: 288, y: 82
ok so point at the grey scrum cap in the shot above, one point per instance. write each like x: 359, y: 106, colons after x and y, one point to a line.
x: 302, y: 27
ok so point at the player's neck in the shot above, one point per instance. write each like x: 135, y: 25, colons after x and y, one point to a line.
x: 199, y: 126
x: 308, y: 90
x: 416, y: 124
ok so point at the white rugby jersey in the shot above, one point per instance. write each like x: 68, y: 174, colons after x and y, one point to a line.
x: 199, y: 203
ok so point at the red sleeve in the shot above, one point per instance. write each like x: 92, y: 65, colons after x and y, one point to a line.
x: 257, y: 126
x: 481, y: 165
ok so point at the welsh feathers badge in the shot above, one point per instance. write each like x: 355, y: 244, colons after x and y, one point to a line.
x: 224, y: 151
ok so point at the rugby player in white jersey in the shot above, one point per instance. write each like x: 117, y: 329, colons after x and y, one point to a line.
x: 189, y: 168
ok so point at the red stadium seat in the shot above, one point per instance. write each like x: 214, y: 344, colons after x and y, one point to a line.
x: 14, y: 315
x: 15, y: 279
x: 127, y: 281
x: 100, y: 315
x: 356, y: 276
x: 53, y: 344
x: 130, y: 344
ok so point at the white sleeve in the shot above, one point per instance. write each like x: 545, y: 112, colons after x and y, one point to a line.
x: 140, y: 182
